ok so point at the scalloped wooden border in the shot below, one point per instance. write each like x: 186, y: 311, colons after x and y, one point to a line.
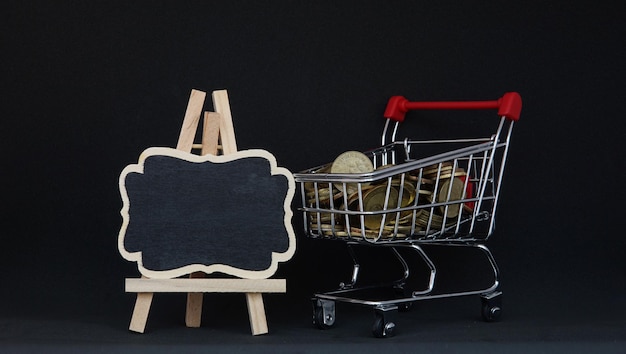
x: 208, y: 269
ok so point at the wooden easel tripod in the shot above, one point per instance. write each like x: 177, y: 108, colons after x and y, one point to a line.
x: 217, y: 136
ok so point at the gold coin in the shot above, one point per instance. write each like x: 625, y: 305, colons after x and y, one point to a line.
x: 414, y: 176
x: 382, y: 167
x: 401, y: 228
x: 395, y: 179
x: 446, y: 172
x: 339, y: 234
x: 321, y: 192
x: 326, y: 217
x: 421, y: 223
x: 425, y: 192
x: 408, y: 199
x: 408, y: 193
x: 426, y: 217
x: 323, y: 195
x: 456, y: 193
x: 369, y: 234
x: 335, y: 234
x: 330, y: 227
x: 353, y: 198
x: 457, y: 173
x: 436, y: 221
x: 375, y: 200
x: 432, y: 169
x: 351, y: 162
x: 407, y: 217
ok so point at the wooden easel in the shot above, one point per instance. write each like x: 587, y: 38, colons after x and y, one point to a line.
x: 217, y: 128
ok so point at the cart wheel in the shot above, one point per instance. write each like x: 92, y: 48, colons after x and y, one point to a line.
x: 491, y: 307
x: 323, y: 313
x: 491, y: 313
x: 383, y: 328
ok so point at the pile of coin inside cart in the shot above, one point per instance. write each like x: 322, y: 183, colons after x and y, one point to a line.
x: 419, y: 201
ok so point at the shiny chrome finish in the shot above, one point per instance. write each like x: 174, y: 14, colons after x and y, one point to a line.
x: 334, y: 208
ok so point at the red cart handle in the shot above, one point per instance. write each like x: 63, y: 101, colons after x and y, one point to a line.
x: 509, y: 106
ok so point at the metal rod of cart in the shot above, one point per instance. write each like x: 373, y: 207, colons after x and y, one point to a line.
x: 409, y: 201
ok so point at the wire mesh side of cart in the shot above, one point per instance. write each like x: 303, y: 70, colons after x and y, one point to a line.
x: 440, y: 192
x: 447, y: 196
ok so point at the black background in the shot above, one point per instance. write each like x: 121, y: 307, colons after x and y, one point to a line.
x: 87, y: 86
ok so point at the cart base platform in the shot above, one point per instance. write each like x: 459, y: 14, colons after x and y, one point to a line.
x: 395, y: 296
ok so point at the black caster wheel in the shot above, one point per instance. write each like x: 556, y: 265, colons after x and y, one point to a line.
x: 383, y: 327
x: 323, y: 313
x: 492, y: 307
x: 491, y: 313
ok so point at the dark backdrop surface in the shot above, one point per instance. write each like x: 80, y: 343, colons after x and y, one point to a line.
x: 87, y: 86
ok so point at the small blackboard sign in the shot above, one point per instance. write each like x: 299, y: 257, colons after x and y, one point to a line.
x: 184, y: 213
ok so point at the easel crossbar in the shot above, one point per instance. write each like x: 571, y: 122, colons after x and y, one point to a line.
x: 205, y: 285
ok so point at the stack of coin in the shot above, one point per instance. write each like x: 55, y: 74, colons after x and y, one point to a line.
x: 413, y: 192
x: 450, y: 182
x: 377, y: 199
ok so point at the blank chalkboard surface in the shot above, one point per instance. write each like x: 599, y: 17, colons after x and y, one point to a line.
x: 184, y: 213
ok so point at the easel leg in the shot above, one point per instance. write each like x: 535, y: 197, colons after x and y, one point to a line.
x: 256, y: 312
x: 140, y: 313
x: 193, y: 315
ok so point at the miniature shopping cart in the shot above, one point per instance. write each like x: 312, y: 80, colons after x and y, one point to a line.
x: 415, y: 193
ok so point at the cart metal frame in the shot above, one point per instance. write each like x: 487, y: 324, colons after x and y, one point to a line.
x: 447, y: 198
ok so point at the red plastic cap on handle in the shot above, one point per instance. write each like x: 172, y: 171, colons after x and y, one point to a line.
x: 396, y: 108
x: 510, y: 105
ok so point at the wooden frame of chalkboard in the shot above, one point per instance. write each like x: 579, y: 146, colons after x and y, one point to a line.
x: 229, y: 214
x: 163, y: 277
